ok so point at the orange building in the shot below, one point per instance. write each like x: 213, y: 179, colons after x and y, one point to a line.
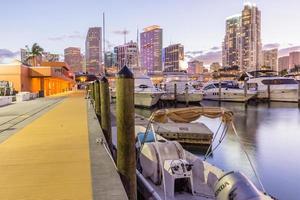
x: 49, y: 78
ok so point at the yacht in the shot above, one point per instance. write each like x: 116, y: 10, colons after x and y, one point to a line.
x: 185, y: 91
x: 281, y: 88
x: 145, y: 93
x: 230, y: 91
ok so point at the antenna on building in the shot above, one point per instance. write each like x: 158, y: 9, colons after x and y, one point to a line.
x: 103, y: 18
x: 138, y: 50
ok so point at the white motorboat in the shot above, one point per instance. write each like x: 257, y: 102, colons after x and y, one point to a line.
x: 166, y: 171
x: 145, y: 93
x: 230, y: 91
x: 281, y: 88
x: 184, y: 91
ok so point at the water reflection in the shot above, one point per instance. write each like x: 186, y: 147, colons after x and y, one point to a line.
x: 271, y: 135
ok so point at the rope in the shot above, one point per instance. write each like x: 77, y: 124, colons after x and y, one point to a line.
x: 215, y: 135
x: 220, y: 141
x: 248, y: 157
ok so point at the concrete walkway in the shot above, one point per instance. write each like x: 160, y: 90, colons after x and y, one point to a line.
x: 50, y: 157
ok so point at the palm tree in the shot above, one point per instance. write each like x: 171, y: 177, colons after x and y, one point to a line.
x: 33, y: 53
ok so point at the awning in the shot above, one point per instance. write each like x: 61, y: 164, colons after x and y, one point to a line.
x: 187, y: 115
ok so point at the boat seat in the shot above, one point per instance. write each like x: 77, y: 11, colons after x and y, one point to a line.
x: 211, y: 179
x: 200, y: 186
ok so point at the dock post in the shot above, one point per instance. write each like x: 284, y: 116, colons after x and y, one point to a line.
x: 126, y: 156
x: 92, y: 93
x: 105, y: 110
x: 175, y: 95
x: 299, y: 94
x: 245, y: 91
x: 269, y: 93
x: 97, y: 98
x: 220, y: 92
x: 186, y: 95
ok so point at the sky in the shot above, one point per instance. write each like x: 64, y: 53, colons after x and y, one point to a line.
x: 197, y: 24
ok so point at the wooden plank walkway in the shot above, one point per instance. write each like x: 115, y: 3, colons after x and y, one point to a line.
x: 50, y: 157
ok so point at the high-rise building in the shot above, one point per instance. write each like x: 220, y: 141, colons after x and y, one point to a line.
x: 173, y: 56
x: 250, y: 38
x: 151, y: 49
x: 294, y: 59
x: 195, y: 67
x: 110, y: 59
x: 283, y: 63
x: 270, y: 59
x: 24, y: 55
x: 232, y: 42
x: 127, y: 54
x: 242, y: 42
x: 73, y: 58
x: 93, y: 50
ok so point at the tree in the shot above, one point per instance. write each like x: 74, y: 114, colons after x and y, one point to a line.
x: 33, y: 53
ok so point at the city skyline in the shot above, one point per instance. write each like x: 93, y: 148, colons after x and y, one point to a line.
x: 195, y: 31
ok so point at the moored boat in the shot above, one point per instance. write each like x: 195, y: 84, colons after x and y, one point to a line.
x: 166, y: 171
x: 230, y: 91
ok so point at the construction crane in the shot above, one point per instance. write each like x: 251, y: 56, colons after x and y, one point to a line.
x: 123, y: 32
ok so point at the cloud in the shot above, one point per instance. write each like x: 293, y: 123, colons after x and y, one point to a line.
x: 6, y: 55
x: 286, y: 51
x: 215, y: 48
x: 210, y: 57
x: 74, y: 35
x: 271, y: 46
x: 194, y: 52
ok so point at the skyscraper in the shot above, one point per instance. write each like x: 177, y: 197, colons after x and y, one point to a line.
x: 93, y: 50
x: 270, y: 59
x: 283, y: 63
x: 173, y: 56
x: 127, y: 54
x: 294, y: 59
x: 242, y: 42
x: 151, y: 49
x: 251, y: 38
x: 232, y: 42
x: 73, y: 59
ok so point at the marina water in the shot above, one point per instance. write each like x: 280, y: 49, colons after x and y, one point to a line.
x: 271, y: 135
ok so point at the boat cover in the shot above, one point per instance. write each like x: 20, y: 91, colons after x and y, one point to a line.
x: 187, y: 115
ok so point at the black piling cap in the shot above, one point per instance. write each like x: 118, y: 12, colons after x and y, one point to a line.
x: 97, y: 81
x: 104, y: 79
x: 125, y: 73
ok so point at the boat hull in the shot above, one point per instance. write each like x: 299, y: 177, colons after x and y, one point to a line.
x: 283, y: 95
x: 146, y: 99
x: 192, y: 97
x: 234, y: 96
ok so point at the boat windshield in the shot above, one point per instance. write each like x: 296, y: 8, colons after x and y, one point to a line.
x: 279, y: 81
x: 223, y: 85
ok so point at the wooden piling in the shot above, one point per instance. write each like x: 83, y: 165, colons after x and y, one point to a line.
x: 126, y: 156
x: 269, y: 93
x: 175, y: 95
x: 186, y: 95
x: 245, y: 88
x: 299, y: 94
x: 97, y: 98
x: 105, y: 110
x: 220, y: 90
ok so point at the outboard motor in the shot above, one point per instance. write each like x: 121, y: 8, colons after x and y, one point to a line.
x: 236, y: 186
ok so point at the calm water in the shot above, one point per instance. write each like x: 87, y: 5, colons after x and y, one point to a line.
x: 271, y: 134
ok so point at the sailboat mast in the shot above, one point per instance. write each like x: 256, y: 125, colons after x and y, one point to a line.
x: 103, y: 24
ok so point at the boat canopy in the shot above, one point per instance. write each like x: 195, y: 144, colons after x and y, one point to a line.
x: 187, y: 115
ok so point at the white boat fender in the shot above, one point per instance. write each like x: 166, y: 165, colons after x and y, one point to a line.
x: 236, y: 186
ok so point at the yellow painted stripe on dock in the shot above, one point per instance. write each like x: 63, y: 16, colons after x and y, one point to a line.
x: 49, y: 158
